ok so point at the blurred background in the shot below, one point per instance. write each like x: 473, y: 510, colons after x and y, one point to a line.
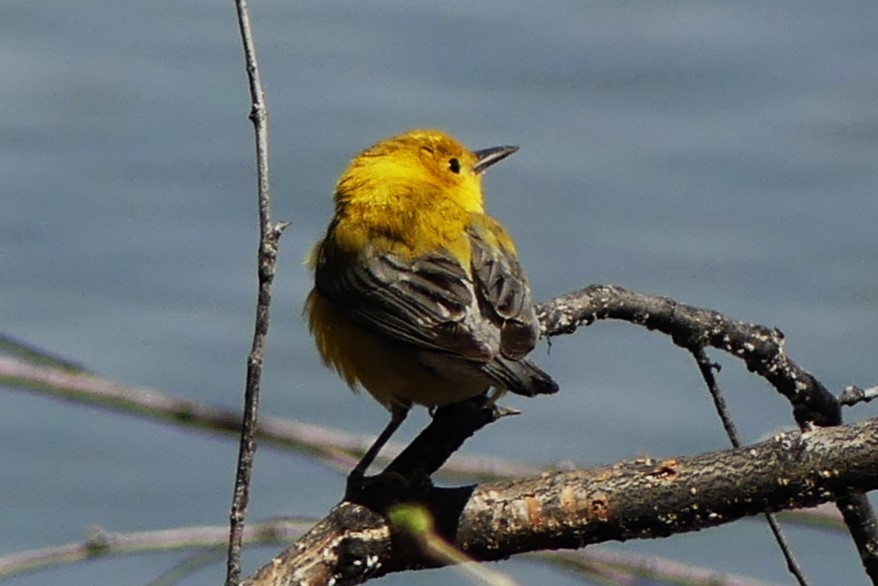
x: 723, y: 154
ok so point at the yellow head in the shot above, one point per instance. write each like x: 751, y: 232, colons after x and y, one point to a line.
x: 416, y: 168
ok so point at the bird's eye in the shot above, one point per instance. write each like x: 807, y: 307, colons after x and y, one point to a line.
x: 454, y: 165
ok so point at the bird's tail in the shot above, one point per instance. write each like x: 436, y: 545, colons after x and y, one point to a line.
x: 521, y: 377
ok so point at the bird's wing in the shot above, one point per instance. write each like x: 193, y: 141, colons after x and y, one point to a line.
x: 428, y: 301
x: 503, y: 290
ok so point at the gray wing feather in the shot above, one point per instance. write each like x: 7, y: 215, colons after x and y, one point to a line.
x: 506, y: 297
x: 482, y: 324
x: 425, y: 301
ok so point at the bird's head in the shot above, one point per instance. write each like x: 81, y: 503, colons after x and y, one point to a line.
x: 419, y: 164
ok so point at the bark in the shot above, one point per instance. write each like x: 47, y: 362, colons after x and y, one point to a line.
x: 645, y: 498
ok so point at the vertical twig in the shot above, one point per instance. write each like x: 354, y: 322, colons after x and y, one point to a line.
x: 719, y: 401
x: 267, y: 259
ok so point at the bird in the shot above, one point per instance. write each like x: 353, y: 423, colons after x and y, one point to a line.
x: 418, y: 294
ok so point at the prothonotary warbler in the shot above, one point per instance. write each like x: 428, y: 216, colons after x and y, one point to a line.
x: 418, y: 295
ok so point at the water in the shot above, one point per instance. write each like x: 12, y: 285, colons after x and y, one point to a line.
x: 722, y: 154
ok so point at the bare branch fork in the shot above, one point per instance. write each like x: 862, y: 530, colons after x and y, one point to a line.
x: 494, y: 521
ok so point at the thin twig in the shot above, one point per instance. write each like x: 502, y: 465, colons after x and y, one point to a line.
x: 266, y: 263
x: 191, y: 564
x: 706, y: 367
x: 339, y: 449
x: 33, y: 354
x: 853, y: 394
x: 635, y: 569
x: 101, y: 543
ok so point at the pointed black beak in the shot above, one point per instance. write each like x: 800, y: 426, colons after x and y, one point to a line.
x: 487, y: 157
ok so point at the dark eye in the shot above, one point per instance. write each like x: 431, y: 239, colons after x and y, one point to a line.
x: 454, y: 165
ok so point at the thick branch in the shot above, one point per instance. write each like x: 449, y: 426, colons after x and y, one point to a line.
x: 645, y: 498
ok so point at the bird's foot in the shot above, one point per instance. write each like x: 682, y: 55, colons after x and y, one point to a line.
x: 382, y: 490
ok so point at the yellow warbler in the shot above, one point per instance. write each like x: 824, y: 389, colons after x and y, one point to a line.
x: 418, y: 295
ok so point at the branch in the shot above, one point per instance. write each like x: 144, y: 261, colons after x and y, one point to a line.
x: 339, y: 449
x: 641, y: 499
x: 633, y: 569
x: 269, y: 234
x: 101, y: 543
x: 692, y: 328
x: 761, y: 349
x: 853, y: 394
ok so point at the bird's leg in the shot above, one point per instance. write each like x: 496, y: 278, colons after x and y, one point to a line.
x: 452, y: 425
x: 494, y: 395
x: 398, y: 414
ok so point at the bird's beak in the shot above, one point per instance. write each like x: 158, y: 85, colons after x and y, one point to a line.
x: 487, y: 157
